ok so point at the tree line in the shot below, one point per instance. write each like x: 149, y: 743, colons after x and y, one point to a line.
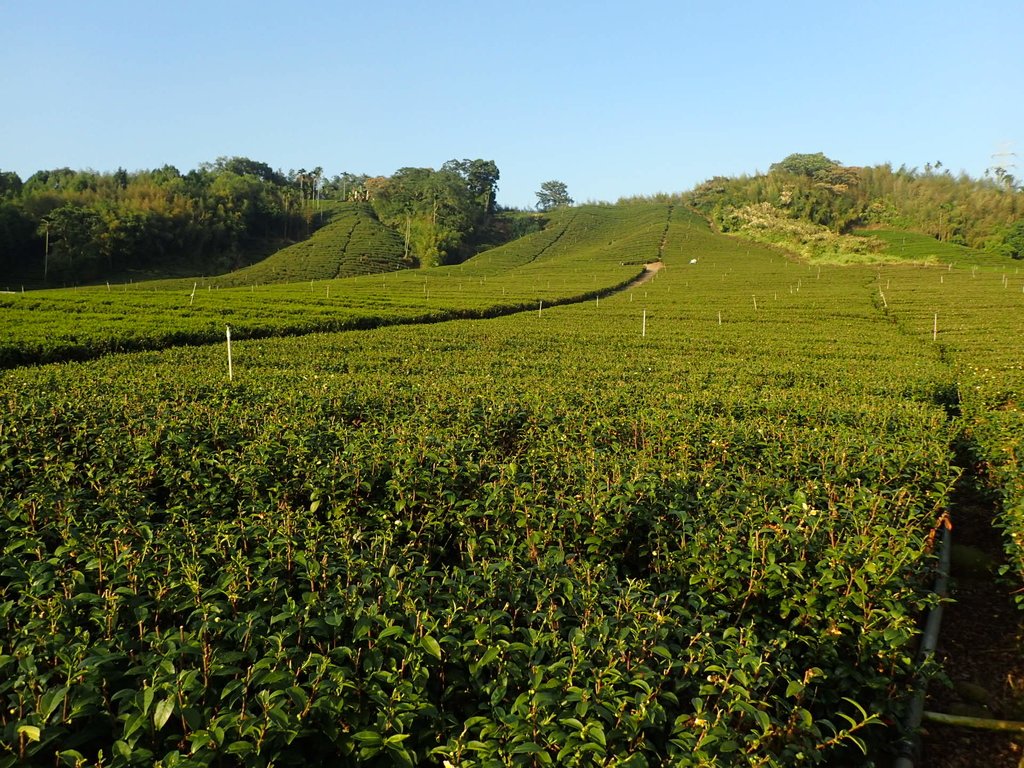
x: 986, y: 213
x: 65, y: 226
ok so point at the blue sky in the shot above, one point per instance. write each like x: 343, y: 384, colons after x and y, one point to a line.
x: 613, y: 98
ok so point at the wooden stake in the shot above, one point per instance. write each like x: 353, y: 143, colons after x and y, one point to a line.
x: 935, y: 327
x: 643, y: 328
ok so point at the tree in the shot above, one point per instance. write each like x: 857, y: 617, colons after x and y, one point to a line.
x: 1013, y: 240
x: 17, y: 237
x: 10, y: 184
x: 74, y: 234
x: 804, y: 165
x: 553, y: 194
x: 480, y: 178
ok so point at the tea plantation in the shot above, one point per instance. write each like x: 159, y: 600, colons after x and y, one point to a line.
x: 691, y: 522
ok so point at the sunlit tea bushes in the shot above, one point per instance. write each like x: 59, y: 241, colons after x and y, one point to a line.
x: 688, y: 523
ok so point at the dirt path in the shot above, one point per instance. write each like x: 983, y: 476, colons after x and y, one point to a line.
x: 650, y: 270
x: 979, y: 648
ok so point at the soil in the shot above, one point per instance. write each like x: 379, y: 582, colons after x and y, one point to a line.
x: 979, y: 648
x: 650, y: 270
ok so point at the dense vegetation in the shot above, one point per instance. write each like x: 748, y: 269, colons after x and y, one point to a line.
x: 446, y: 214
x: 691, y: 522
x: 64, y: 227
x: 816, y: 199
x: 353, y: 242
x: 595, y: 248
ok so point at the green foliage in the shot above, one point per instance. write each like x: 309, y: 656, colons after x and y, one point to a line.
x: 553, y: 194
x: 1013, y: 240
x: 112, y: 224
x: 579, y: 256
x: 541, y: 539
x: 817, y: 190
x: 353, y: 243
x: 439, y: 213
x: 922, y: 249
x: 17, y: 238
x: 74, y: 241
x: 10, y: 184
x: 767, y: 224
x: 804, y: 164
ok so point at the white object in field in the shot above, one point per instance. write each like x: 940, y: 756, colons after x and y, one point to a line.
x: 693, y: 261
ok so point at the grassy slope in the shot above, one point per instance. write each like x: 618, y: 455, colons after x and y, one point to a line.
x: 353, y: 243
x: 918, y: 248
x: 584, y: 251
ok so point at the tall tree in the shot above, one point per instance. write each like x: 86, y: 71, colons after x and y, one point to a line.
x: 73, y: 233
x: 804, y: 164
x: 553, y: 194
x: 10, y: 184
x: 481, y: 180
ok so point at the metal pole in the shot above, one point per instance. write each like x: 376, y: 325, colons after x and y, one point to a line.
x: 908, y: 745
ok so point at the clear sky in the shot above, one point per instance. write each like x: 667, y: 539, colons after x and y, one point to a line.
x: 612, y: 98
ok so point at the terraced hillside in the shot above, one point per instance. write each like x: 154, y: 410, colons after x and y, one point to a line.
x: 583, y: 253
x: 922, y: 249
x: 353, y: 243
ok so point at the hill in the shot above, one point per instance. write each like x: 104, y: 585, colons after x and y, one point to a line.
x: 353, y: 243
x: 811, y: 204
x: 900, y: 245
x: 582, y: 253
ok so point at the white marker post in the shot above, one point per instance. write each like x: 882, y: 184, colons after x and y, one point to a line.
x: 540, y: 308
x: 193, y: 296
x: 643, y: 328
x: 935, y: 327
x: 230, y: 371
